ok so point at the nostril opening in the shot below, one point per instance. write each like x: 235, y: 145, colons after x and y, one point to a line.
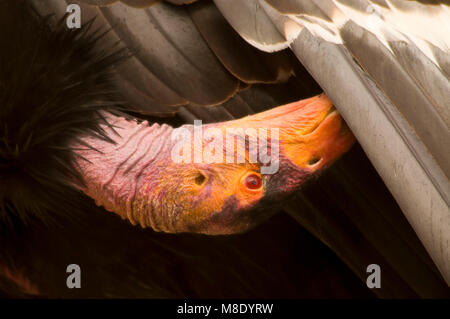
x: 200, y: 179
x: 313, y: 160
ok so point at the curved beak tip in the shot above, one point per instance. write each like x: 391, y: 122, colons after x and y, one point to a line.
x: 312, y: 132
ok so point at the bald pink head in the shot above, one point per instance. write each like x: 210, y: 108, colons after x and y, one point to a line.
x: 215, y: 179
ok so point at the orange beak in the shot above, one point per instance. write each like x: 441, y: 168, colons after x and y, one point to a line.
x: 312, y: 134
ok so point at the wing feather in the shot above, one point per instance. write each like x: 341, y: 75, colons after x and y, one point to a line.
x: 245, y: 62
x: 167, y: 42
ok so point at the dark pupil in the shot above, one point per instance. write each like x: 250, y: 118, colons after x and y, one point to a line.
x: 253, y: 181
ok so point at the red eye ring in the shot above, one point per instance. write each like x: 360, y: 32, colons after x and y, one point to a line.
x: 253, y: 181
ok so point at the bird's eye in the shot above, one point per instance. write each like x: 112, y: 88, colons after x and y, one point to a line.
x: 253, y: 181
x: 200, y: 179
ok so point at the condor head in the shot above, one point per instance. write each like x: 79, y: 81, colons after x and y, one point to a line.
x: 215, y: 179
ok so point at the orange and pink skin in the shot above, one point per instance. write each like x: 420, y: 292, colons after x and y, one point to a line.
x: 137, y: 179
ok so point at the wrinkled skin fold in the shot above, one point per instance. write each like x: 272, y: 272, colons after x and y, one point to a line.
x: 218, y: 178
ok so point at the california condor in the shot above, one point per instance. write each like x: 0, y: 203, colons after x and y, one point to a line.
x: 87, y: 118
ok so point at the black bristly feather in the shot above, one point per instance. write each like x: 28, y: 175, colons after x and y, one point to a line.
x: 53, y: 84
